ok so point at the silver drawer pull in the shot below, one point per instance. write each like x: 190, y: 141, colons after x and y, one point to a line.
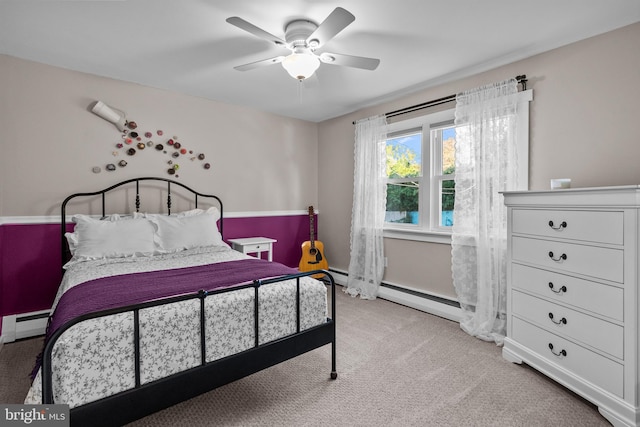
x: 562, y: 225
x: 562, y: 321
x: 559, y: 291
x: 561, y: 353
x: 560, y: 258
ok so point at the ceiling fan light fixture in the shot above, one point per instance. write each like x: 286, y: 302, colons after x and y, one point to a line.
x: 301, y: 65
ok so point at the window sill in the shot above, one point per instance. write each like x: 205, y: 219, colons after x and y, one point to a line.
x: 418, y: 235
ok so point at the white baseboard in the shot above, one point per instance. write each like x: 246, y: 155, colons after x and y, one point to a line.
x: 410, y: 299
x: 25, y: 325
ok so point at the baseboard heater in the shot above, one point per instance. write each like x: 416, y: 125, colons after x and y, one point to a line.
x: 429, y: 303
x: 25, y: 325
x: 421, y: 294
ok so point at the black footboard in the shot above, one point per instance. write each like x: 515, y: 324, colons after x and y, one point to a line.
x: 145, y: 399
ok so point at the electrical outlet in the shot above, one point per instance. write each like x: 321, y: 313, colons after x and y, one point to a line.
x: 386, y: 262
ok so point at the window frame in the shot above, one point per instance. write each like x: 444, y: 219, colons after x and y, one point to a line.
x: 425, y: 231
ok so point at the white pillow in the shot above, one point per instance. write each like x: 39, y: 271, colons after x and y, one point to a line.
x: 186, y: 230
x: 96, y: 239
x: 192, y: 212
x: 116, y: 217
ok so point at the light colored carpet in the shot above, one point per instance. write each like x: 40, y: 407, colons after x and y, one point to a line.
x: 396, y: 367
x: 16, y: 362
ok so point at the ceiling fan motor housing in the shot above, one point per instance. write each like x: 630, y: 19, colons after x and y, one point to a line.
x: 297, y: 32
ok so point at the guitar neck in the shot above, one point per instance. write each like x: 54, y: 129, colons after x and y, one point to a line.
x: 311, y: 231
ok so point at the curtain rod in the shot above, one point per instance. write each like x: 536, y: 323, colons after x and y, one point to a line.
x: 522, y: 79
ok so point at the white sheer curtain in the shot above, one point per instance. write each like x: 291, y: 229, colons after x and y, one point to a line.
x: 366, y: 265
x: 486, y: 163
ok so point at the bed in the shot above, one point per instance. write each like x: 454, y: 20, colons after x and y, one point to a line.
x: 154, y: 309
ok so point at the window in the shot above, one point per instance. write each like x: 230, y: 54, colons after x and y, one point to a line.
x: 420, y: 175
x: 443, y: 141
x: 404, y: 177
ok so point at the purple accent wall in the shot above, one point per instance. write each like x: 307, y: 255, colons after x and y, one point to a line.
x: 30, y: 269
x: 30, y: 272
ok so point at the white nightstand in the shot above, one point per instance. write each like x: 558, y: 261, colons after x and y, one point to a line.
x: 254, y: 245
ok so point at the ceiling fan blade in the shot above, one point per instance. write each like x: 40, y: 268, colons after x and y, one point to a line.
x: 335, y: 22
x: 262, y: 63
x: 350, y: 61
x: 256, y: 31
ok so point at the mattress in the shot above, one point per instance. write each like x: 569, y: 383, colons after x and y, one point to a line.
x: 95, y: 358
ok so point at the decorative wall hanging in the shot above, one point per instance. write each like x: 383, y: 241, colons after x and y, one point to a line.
x: 103, y: 110
x: 171, y: 147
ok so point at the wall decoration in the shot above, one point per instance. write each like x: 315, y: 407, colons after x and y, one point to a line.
x: 171, y: 147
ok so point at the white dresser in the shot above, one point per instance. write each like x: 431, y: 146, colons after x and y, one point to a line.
x: 573, y: 301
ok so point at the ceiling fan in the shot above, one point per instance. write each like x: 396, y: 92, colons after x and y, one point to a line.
x: 303, y: 38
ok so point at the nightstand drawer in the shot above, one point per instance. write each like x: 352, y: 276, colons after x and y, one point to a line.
x: 603, y: 263
x: 597, y: 333
x: 256, y: 247
x: 592, y: 296
x: 591, y: 226
x: 594, y: 368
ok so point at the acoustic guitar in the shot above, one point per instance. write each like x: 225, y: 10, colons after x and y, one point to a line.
x: 313, y: 252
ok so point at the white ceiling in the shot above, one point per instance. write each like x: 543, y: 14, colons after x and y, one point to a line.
x: 186, y: 46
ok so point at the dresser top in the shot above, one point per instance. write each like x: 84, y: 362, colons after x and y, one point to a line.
x: 580, y: 189
x: 613, y: 196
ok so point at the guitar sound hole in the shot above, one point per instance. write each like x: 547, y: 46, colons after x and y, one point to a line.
x: 313, y: 251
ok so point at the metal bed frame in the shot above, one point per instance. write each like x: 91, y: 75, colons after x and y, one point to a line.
x: 145, y: 399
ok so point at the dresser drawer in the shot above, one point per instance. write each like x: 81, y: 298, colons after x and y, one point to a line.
x: 589, y: 226
x: 596, y: 369
x: 585, y: 294
x: 597, y: 333
x: 603, y: 263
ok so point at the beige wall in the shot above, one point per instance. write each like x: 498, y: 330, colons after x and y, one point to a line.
x: 50, y: 141
x: 584, y: 125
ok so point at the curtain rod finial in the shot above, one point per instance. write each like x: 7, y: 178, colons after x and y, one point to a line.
x: 522, y: 79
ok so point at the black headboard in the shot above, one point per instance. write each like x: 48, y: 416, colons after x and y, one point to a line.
x: 66, y: 254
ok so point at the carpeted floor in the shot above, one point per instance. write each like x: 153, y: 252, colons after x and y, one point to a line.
x: 397, y: 367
